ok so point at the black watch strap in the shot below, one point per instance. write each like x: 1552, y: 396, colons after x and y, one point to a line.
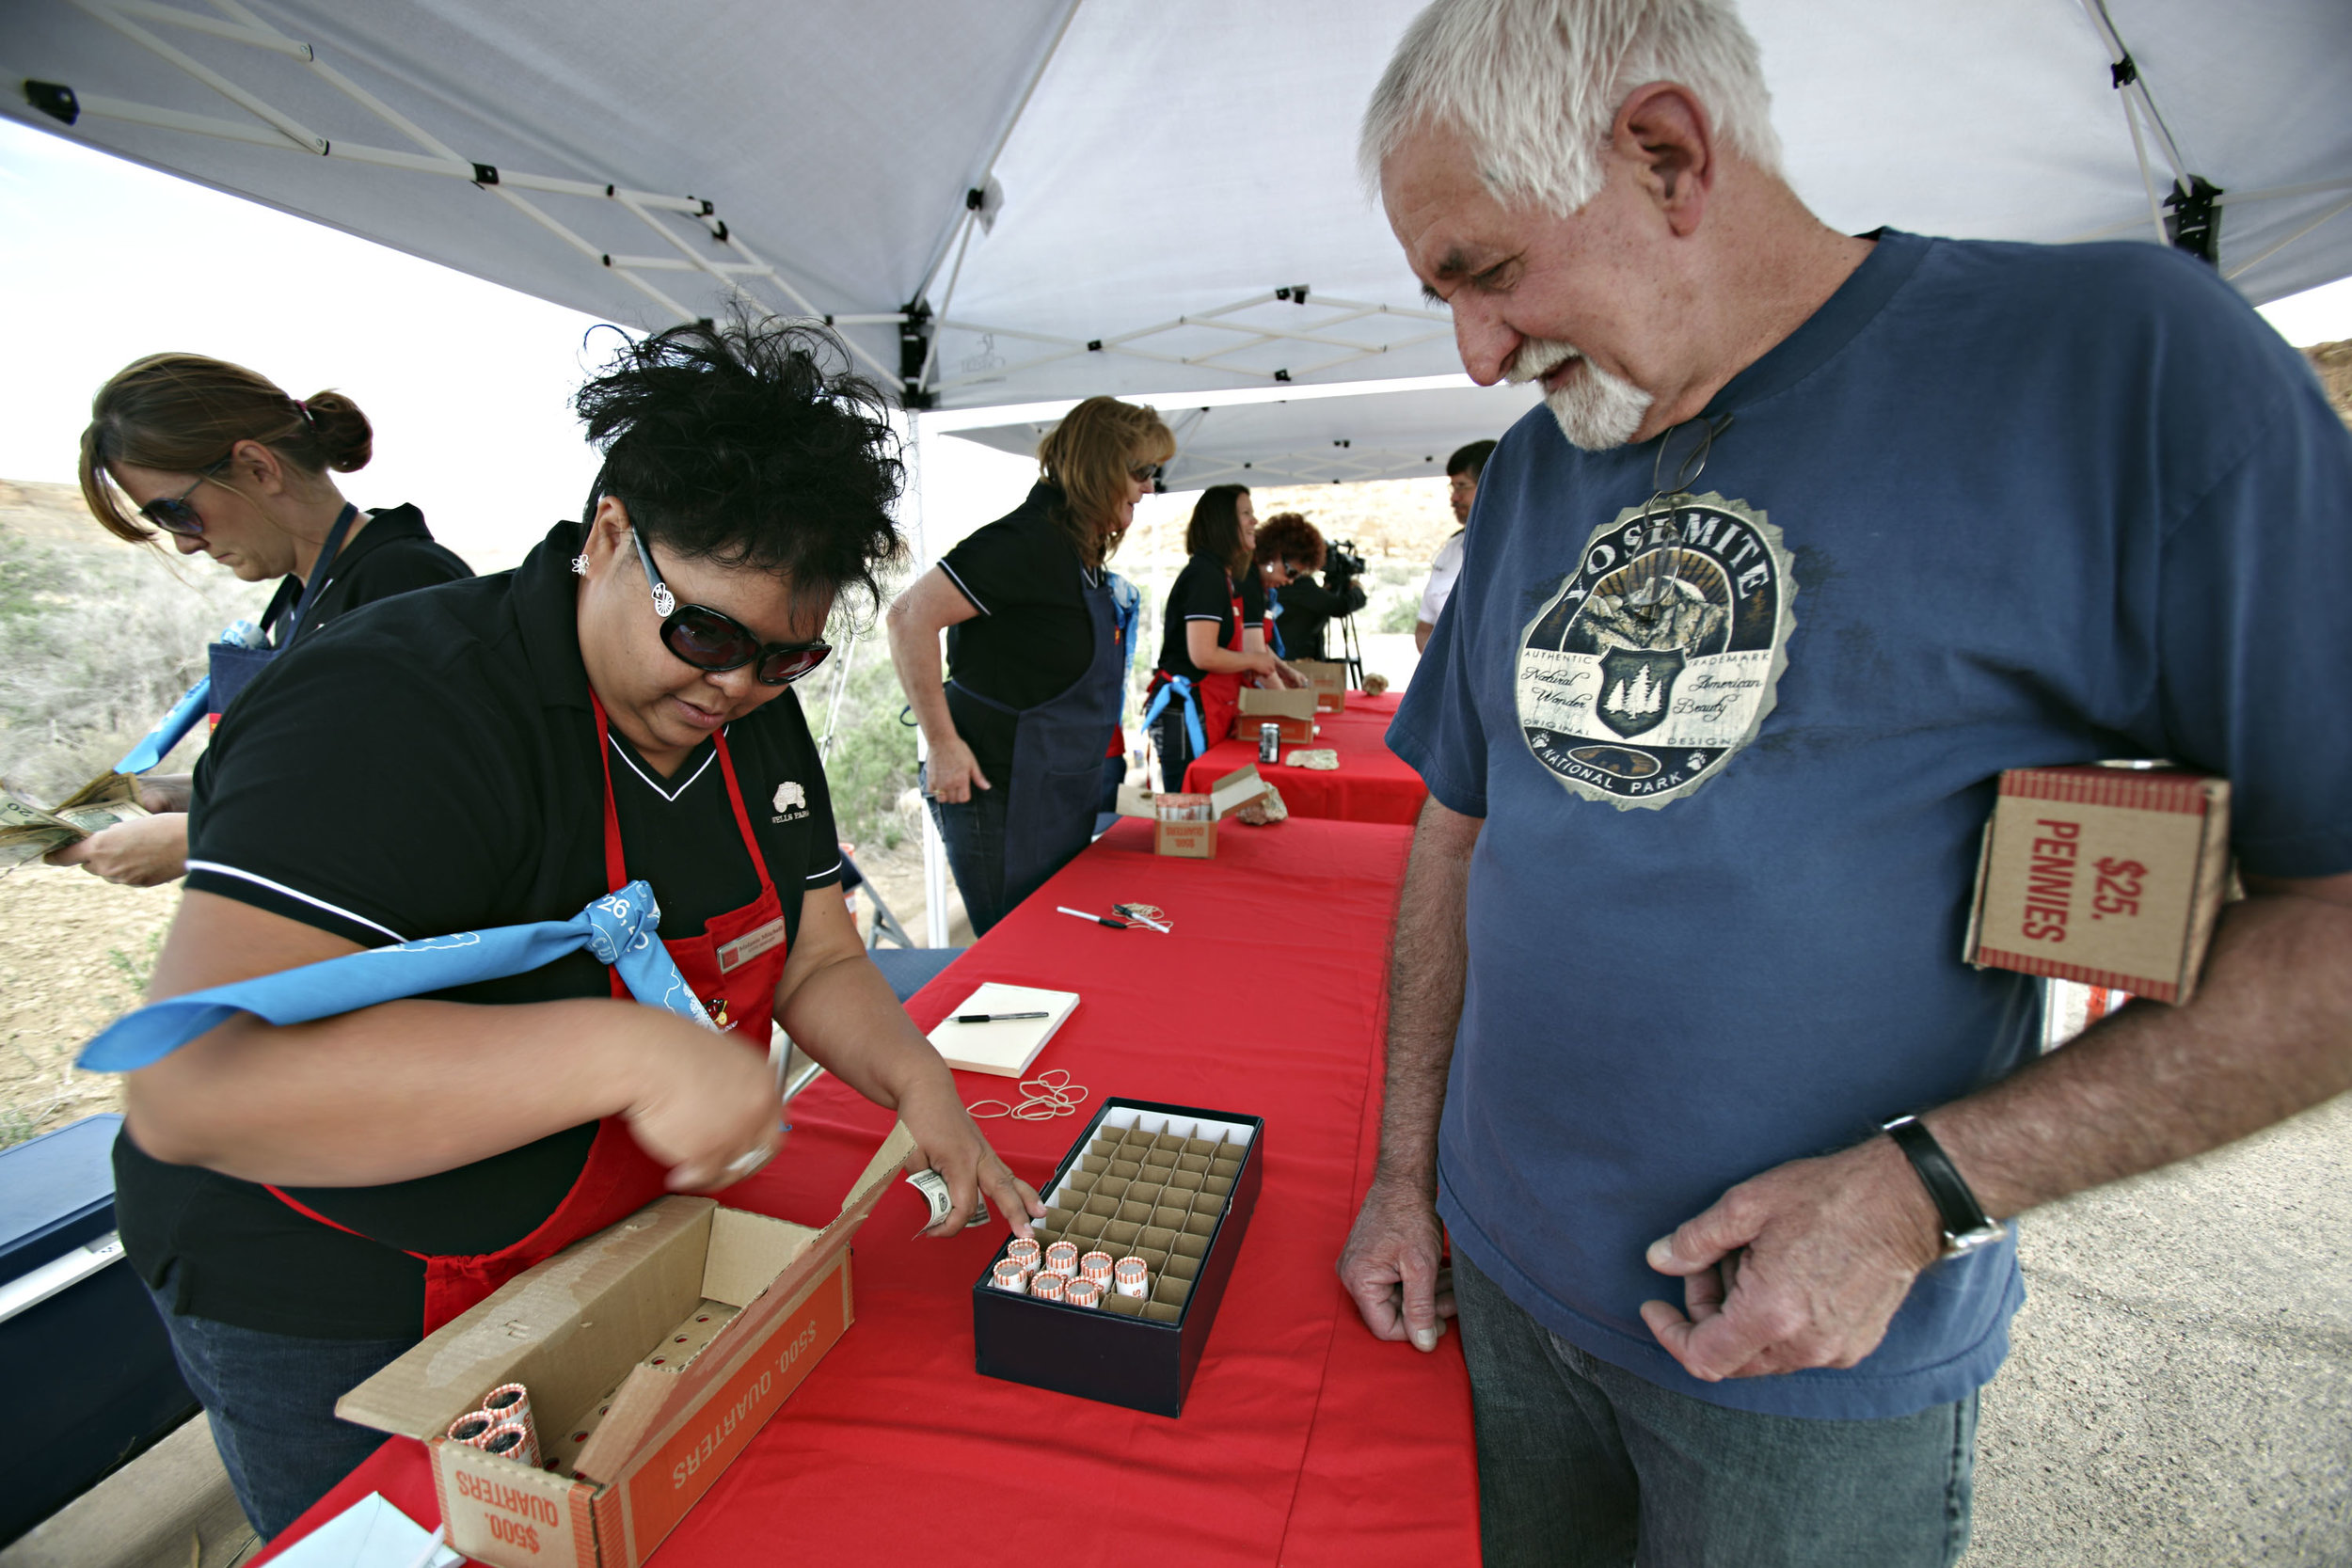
x: 1965, y: 1225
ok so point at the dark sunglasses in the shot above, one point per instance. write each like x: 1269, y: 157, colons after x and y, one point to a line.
x: 173, y: 515
x: 712, y: 640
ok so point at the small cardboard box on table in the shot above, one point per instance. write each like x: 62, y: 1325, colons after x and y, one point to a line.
x: 1186, y: 825
x: 653, y: 1351
x: 1291, y: 707
x: 2108, y: 876
x: 1329, y: 680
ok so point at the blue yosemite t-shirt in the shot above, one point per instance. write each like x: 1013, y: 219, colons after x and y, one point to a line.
x: 1993, y: 506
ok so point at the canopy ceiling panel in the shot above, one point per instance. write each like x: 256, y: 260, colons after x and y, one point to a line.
x: 1330, y: 440
x: 1164, y: 177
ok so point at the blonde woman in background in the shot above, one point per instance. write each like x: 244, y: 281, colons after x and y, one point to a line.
x: 223, y: 463
x: 1037, y: 660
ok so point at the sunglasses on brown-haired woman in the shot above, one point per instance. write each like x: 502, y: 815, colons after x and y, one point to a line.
x: 173, y: 515
x: 712, y: 640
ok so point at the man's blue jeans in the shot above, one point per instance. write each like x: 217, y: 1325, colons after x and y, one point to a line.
x: 1581, y: 1464
x: 271, y: 1398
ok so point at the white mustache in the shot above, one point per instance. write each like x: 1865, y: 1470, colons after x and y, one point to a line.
x: 1538, y: 358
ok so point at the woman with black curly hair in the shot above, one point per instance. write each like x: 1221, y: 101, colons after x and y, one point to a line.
x: 306, y: 1201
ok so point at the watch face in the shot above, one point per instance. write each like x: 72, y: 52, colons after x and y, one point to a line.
x: 1969, y: 1241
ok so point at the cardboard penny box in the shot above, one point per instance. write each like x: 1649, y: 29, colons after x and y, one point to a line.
x: 1292, y: 708
x: 653, y: 1351
x: 1170, y: 1185
x: 2108, y: 876
x: 1328, y: 679
x: 1186, y: 825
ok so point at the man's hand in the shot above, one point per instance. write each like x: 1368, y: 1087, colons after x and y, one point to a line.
x: 142, y: 852
x: 951, y: 772
x: 1803, y: 1266
x: 1390, y: 1264
x: 947, y: 1140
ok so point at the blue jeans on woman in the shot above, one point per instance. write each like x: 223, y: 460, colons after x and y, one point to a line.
x: 1582, y: 1463
x: 271, y: 1398
x: 973, y: 831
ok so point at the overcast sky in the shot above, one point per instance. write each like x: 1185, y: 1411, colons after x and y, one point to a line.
x: 467, y: 383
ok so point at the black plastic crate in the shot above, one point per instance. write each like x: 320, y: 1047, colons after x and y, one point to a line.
x: 1144, y: 1362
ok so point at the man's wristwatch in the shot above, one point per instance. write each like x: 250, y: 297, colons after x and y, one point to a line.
x: 1965, y: 1225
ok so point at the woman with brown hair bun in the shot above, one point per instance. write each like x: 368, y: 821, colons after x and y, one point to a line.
x: 1290, y: 550
x: 224, y: 464
x: 1036, y: 661
x: 1214, y: 634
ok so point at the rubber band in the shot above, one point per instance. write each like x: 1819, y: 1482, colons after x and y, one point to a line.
x: 1047, y: 1096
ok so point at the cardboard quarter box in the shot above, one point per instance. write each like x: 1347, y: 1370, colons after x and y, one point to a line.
x: 652, y: 1350
x: 1329, y: 680
x: 2108, y: 876
x: 1184, y: 1211
x: 1291, y: 707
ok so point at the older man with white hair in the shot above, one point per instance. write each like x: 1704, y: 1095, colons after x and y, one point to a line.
x: 1816, y: 535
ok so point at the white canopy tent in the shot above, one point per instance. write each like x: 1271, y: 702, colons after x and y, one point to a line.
x: 1041, y: 199
x: 1407, y: 431
x: 1114, y: 196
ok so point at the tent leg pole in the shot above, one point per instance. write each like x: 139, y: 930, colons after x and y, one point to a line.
x: 934, y: 849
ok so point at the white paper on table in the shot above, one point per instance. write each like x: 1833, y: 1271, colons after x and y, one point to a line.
x: 371, y: 1534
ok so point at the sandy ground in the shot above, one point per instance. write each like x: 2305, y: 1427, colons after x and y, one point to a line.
x: 74, y: 953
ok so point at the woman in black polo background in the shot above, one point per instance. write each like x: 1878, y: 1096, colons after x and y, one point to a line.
x: 304, y: 1202
x: 1214, y: 631
x: 1037, y: 660
x: 223, y: 463
x: 1290, y: 550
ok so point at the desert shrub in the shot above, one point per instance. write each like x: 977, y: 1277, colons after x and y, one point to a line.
x: 872, y: 760
x: 95, y: 644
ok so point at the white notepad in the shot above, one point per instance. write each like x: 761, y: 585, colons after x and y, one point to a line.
x: 1005, y: 1049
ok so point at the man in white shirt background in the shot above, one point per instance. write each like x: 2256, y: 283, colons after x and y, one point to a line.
x: 1461, y: 471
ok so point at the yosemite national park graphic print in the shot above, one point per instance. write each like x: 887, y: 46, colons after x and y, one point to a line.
x: 1657, y: 660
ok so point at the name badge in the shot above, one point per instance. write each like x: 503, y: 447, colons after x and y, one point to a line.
x: 750, y: 944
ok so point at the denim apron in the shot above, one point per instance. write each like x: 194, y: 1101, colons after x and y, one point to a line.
x: 1057, y: 752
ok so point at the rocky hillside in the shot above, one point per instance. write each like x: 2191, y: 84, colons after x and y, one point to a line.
x: 2333, y: 361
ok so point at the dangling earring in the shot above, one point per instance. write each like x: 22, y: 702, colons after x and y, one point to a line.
x: 579, y: 566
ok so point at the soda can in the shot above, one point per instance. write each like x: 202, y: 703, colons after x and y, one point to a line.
x: 1269, y: 742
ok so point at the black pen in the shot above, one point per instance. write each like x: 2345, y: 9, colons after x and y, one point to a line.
x: 996, y: 1017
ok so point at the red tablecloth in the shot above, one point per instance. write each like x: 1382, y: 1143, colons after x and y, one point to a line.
x: 1303, y: 1440
x: 1371, y: 784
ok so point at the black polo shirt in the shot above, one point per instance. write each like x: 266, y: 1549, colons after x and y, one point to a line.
x: 1032, y: 640
x: 393, y: 554
x: 423, y: 766
x: 1204, y: 592
x: 1308, y: 608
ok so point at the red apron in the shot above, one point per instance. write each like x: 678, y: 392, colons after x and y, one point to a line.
x: 732, y: 967
x: 1219, y: 691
